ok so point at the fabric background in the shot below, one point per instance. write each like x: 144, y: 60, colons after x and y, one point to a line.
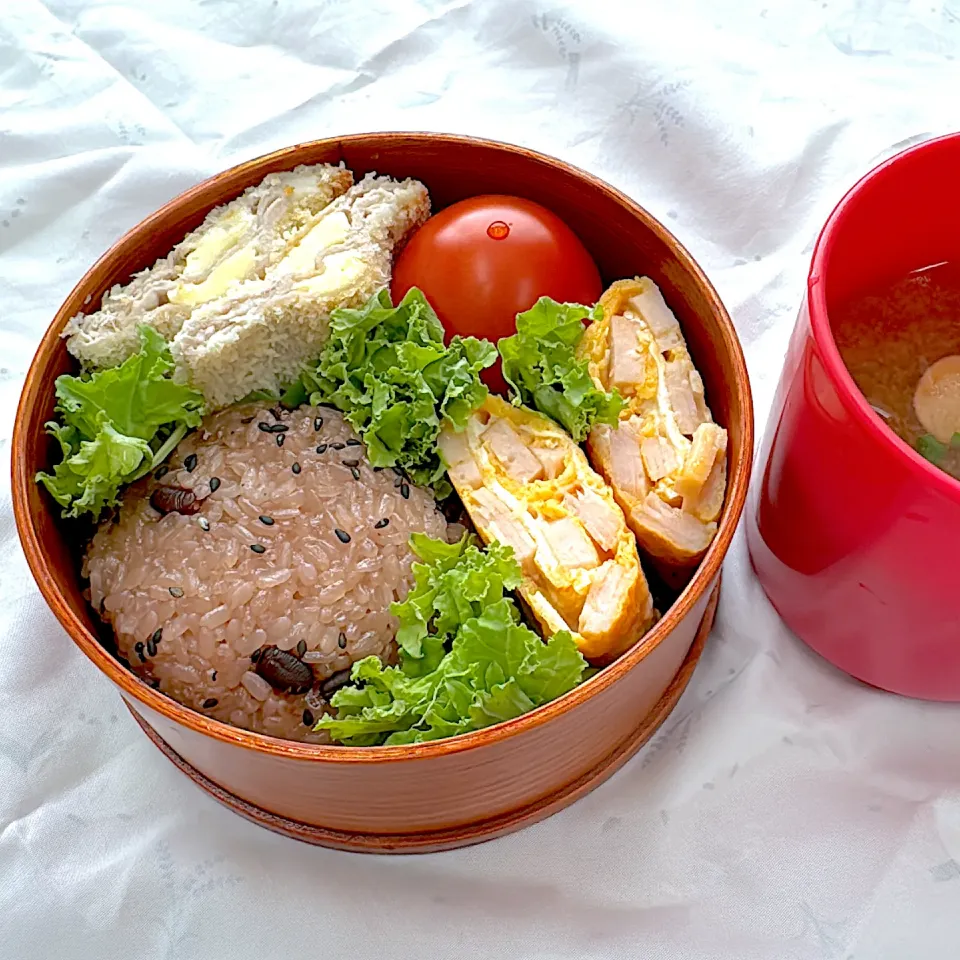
x: 783, y: 812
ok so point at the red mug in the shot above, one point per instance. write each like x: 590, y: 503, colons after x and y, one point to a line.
x: 854, y: 536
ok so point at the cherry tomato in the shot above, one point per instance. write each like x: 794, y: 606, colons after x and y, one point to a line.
x: 482, y: 261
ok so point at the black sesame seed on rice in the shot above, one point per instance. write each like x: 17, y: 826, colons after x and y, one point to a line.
x: 350, y: 463
x: 296, y: 468
x: 278, y: 428
x: 342, y: 535
x: 355, y: 473
x: 151, y: 648
x: 157, y: 635
x: 353, y: 443
x: 342, y: 641
x: 161, y: 473
x: 230, y: 449
x: 318, y: 423
x: 247, y: 420
x: 275, y: 413
x: 204, y: 523
x: 258, y: 548
x: 210, y: 702
x: 338, y: 446
x: 265, y: 427
x: 266, y: 521
x: 280, y: 439
x: 190, y: 463
x: 380, y: 524
x: 322, y: 448
x: 214, y: 484
x: 138, y: 647
x: 308, y: 718
x: 405, y: 491
x: 176, y: 592
x: 397, y: 471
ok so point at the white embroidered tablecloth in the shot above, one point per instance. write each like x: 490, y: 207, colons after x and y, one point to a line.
x: 784, y: 812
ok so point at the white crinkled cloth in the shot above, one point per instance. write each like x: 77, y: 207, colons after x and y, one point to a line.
x: 784, y: 812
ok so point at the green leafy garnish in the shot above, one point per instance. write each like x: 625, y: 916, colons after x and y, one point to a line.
x: 930, y: 448
x: 387, y: 369
x: 116, y: 425
x: 466, y: 660
x: 541, y: 365
x: 455, y: 583
x: 295, y: 395
x: 260, y: 396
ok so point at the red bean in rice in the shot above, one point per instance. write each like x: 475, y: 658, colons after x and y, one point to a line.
x: 205, y: 591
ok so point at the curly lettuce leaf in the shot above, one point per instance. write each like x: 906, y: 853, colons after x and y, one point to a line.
x: 497, y: 669
x: 387, y: 369
x: 117, y: 425
x: 466, y: 660
x: 137, y: 398
x: 542, y: 368
x: 86, y: 480
x: 454, y: 583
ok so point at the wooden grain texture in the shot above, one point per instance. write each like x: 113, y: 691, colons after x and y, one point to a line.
x: 427, y: 841
x: 447, y: 784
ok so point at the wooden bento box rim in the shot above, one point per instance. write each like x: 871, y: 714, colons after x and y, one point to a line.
x: 194, y: 204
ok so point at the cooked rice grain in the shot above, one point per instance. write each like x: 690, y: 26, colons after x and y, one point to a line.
x: 216, y: 600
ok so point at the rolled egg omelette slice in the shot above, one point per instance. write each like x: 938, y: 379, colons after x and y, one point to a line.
x: 666, y: 461
x: 525, y: 483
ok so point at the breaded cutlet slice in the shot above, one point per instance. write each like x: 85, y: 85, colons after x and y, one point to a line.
x: 259, y: 336
x: 237, y: 241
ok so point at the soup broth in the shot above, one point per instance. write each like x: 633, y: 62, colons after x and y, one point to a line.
x: 895, y: 340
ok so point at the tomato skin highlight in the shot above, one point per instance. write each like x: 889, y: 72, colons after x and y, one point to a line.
x: 485, y: 259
